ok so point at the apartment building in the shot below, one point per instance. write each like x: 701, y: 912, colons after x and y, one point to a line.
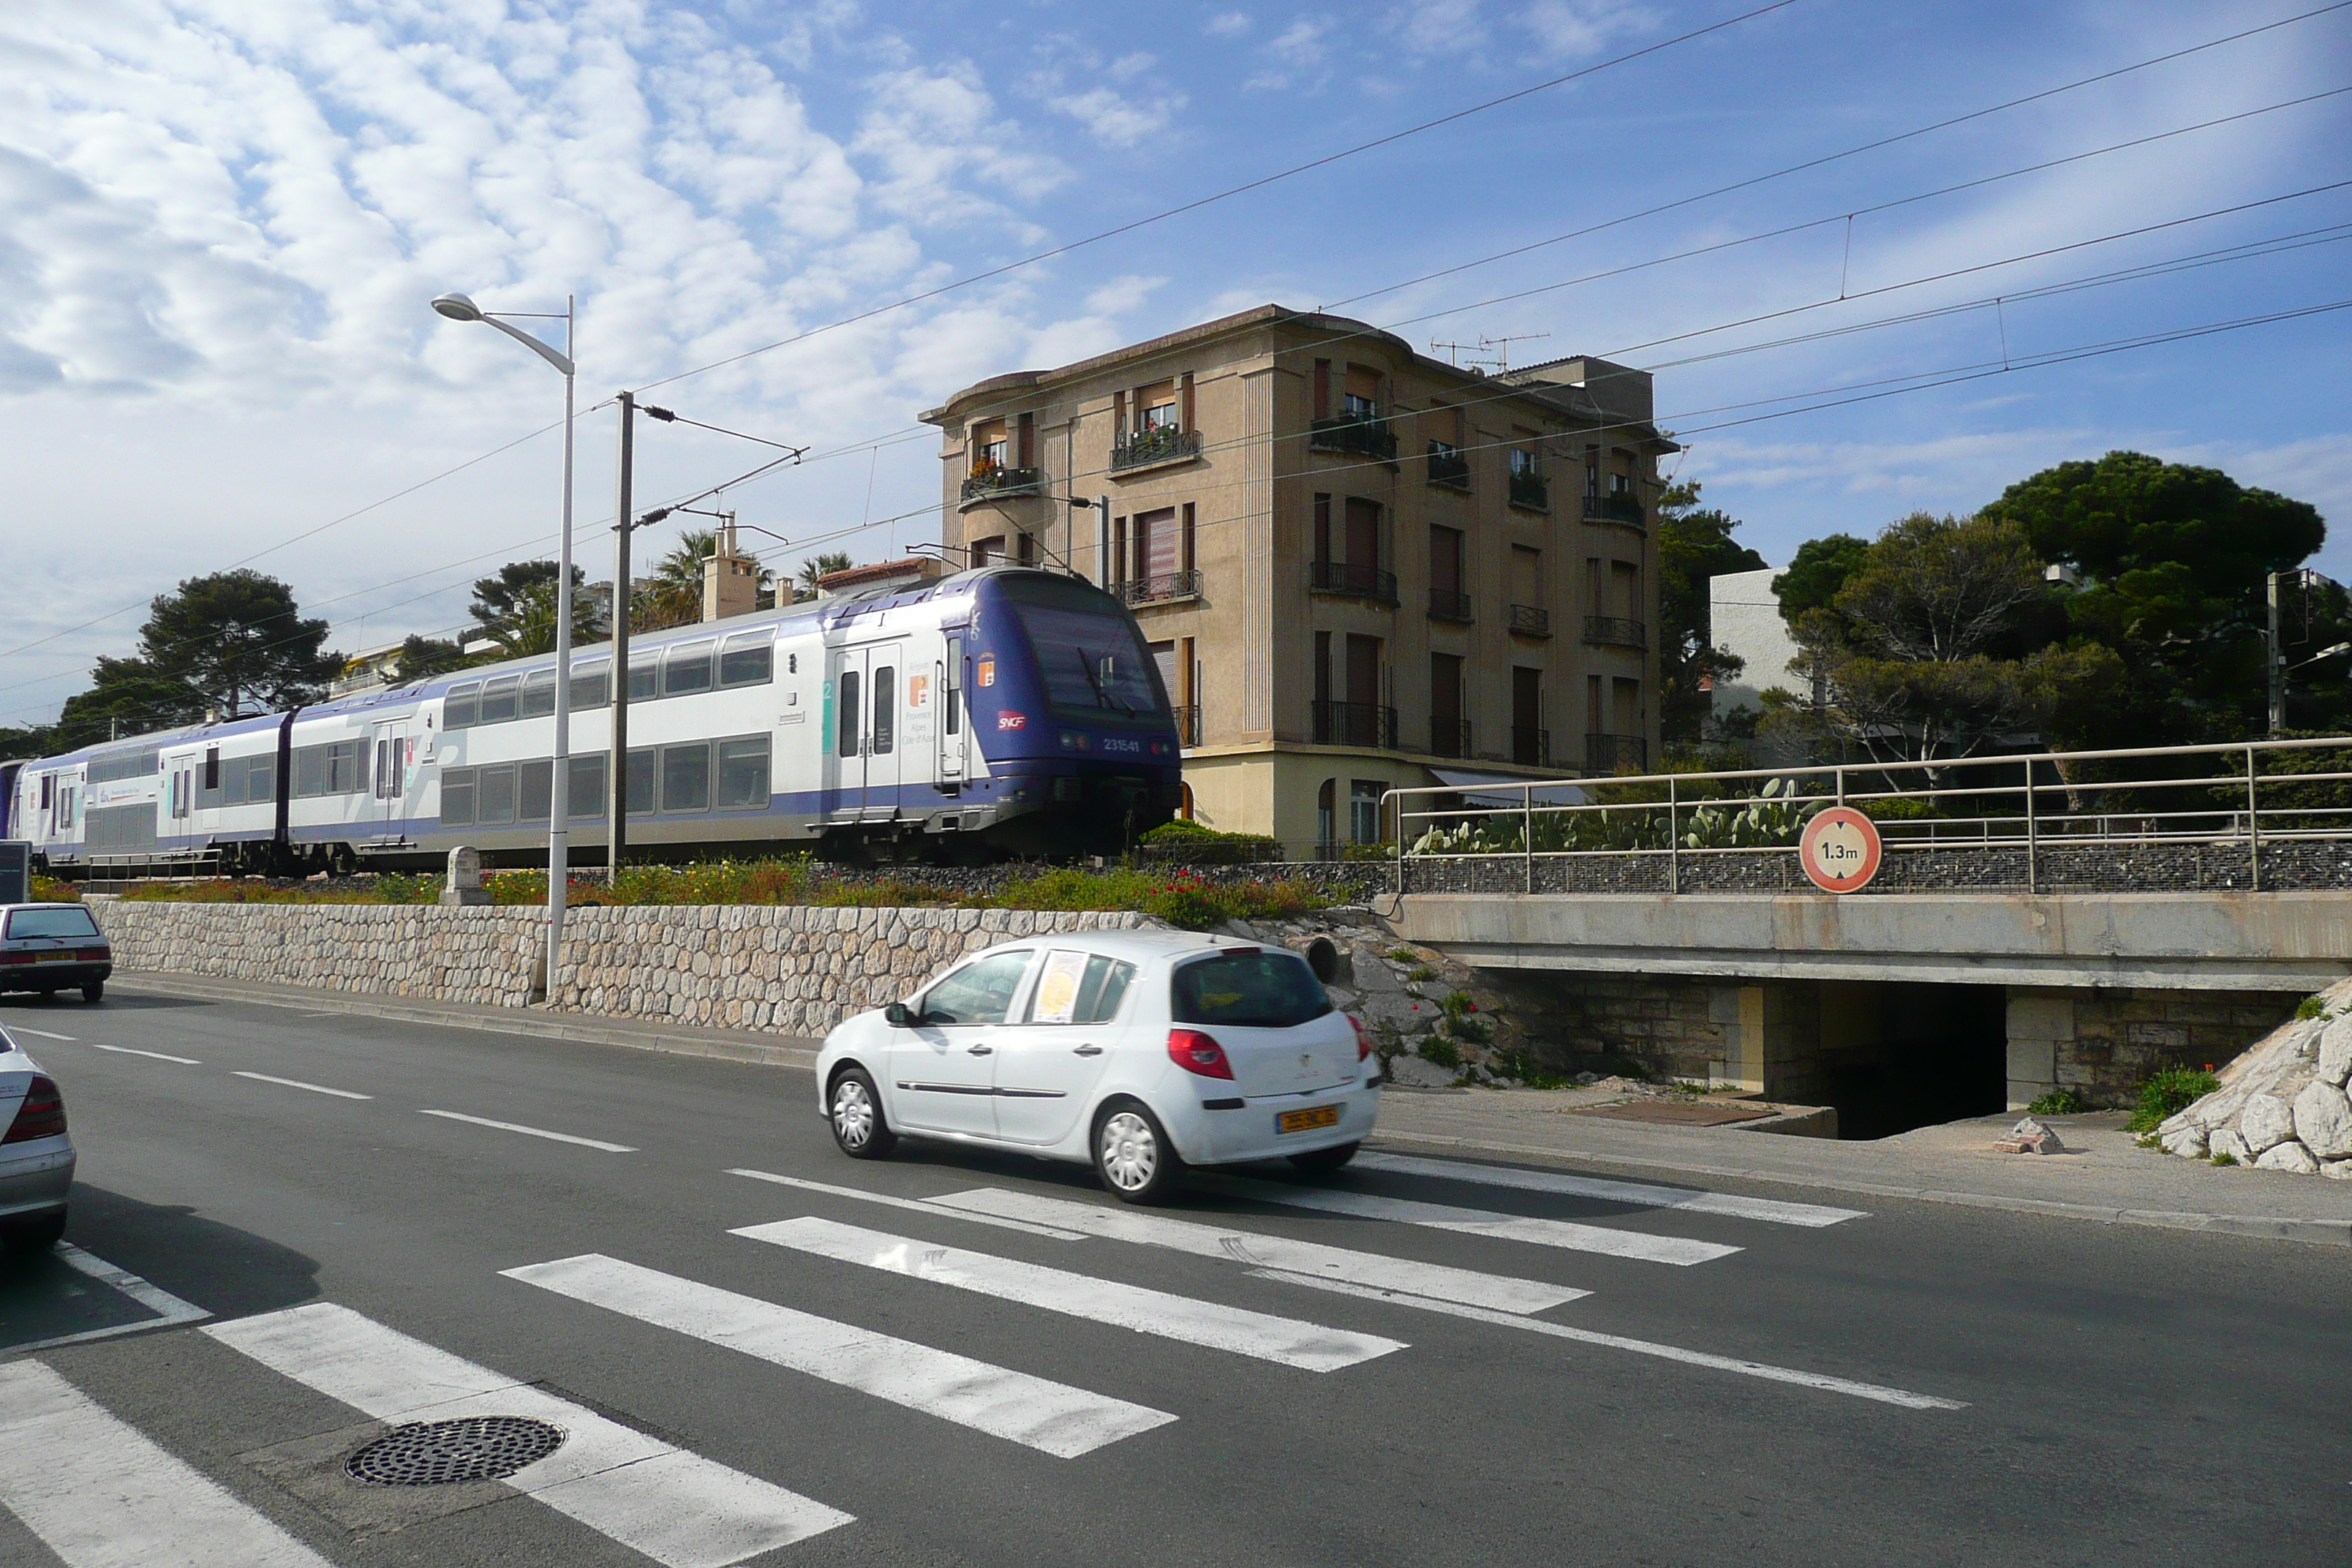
x: 1359, y: 567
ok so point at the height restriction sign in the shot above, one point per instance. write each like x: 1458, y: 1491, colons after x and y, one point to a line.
x: 1841, y: 851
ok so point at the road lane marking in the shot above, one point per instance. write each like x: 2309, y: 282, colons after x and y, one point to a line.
x: 1644, y: 1193
x: 128, y: 1051
x: 919, y: 1208
x: 15, y: 1028
x: 1035, y: 1412
x: 1561, y: 1233
x: 1499, y: 1292
x: 169, y: 1309
x: 1874, y: 1390
x: 1284, y: 1341
x: 676, y: 1507
x: 313, y: 1087
x: 101, y: 1494
x: 533, y: 1131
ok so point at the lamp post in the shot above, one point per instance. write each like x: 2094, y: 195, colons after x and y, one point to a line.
x: 459, y: 308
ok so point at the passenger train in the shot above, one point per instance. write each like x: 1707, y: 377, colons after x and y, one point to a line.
x: 999, y: 712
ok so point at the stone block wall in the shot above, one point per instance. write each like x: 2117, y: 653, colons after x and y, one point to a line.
x: 2108, y: 1042
x: 792, y: 970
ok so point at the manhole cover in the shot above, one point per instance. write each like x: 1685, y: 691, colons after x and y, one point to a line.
x: 434, y: 1453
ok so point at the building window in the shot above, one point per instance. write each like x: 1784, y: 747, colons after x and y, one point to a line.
x: 1364, y: 809
x: 1327, y: 813
x: 990, y: 450
x: 985, y: 551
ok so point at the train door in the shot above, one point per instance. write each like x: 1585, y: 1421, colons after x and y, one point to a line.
x: 950, y: 725
x: 388, y: 790
x: 179, y: 800
x: 844, y: 746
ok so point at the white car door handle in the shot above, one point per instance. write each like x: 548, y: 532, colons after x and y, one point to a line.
x: 980, y: 1050
x: 1090, y: 1050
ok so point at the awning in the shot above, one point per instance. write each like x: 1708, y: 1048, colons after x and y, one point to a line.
x: 1468, y: 783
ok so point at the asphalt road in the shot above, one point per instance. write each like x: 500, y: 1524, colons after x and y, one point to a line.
x: 1931, y: 1384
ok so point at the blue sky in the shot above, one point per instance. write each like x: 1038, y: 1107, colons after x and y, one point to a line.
x: 220, y: 219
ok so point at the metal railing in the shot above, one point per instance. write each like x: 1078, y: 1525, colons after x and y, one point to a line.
x: 1165, y: 444
x: 1445, y: 605
x: 992, y: 484
x: 1355, y: 725
x: 2241, y: 816
x: 1614, y: 508
x: 1159, y: 586
x: 1363, y: 435
x: 1612, y: 754
x: 1188, y: 725
x: 1346, y: 577
x: 1528, y: 489
x: 1449, y: 737
x: 1615, y: 631
x: 1448, y: 466
x: 1530, y: 621
x: 113, y: 873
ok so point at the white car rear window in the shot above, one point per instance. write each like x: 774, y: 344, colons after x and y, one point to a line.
x: 51, y: 923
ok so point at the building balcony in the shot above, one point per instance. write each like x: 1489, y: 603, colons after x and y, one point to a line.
x: 998, y: 484
x: 1188, y: 726
x: 1609, y: 754
x: 1444, y: 604
x: 1161, y: 588
x: 1531, y: 620
x: 1529, y: 490
x: 1346, y: 577
x: 1616, y: 509
x: 1355, y: 725
x: 1613, y: 631
x: 1449, y: 737
x: 1358, y: 434
x: 1151, y: 448
x: 1448, y: 466
x: 1530, y: 748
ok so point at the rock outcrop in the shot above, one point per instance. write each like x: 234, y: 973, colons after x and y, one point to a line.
x: 2281, y: 1105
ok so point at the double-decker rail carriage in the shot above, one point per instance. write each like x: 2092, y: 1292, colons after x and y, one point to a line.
x: 999, y: 712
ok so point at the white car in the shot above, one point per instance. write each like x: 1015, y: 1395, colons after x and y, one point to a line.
x: 1138, y: 1052
x: 37, y: 1158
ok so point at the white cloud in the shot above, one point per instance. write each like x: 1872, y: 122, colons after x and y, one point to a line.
x: 1121, y: 102
x: 1297, y: 53
x: 1439, y: 27
x: 1226, y: 25
x: 1573, y: 29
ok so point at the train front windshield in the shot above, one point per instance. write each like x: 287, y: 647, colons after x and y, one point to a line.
x: 1094, y: 663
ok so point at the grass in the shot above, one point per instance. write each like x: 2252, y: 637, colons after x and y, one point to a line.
x: 1439, y: 1051
x: 2225, y: 1159
x: 1180, y: 897
x: 2167, y: 1094
x: 2311, y: 1006
x: 49, y: 891
x: 2066, y: 1101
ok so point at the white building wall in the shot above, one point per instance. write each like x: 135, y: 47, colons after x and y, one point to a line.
x: 1746, y: 621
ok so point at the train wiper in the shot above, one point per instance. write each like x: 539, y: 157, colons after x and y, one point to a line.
x: 1102, y: 699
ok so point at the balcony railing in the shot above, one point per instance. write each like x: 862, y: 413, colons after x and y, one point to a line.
x: 1448, y: 466
x: 1532, y: 620
x: 1444, y: 604
x: 1188, y: 725
x: 1614, y: 631
x: 1346, y: 577
x: 1364, y: 435
x: 1528, y: 489
x: 1614, y: 508
x: 1449, y: 737
x: 1145, y: 447
x: 1615, y: 755
x: 1159, y: 587
x: 992, y: 484
x: 1530, y: 748
x: 1355, y: 725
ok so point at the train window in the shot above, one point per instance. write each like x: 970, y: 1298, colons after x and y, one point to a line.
x: 212, y: 767
x: 641, y: 781
x: 498, y: 694
x: 456, y: 797
x: 587, y: 787
x: 686, y: 777
x: 310, y: 771
x: 383, y: 765
x: 592, y: 685
x: 494, y: 794
x: 49, y: 791
x: 849, y: 715
x: 261, y: 780
x: 743, y: 775
x: 953, y: 702
x: 457, y: 708
x: 748, y: 660
x: 537, y: 785
x: 687, y: 670
x: 538, y: 694
x: 885, y: 712
x: 645, y: 680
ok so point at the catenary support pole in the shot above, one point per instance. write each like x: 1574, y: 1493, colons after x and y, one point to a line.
x: 559, y: 792
x: 616, y: 773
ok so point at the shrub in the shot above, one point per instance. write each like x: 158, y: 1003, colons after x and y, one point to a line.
x: 2311, y: 1006
x: 2063, y: 1101
x: 2167, y: 1094
x: 2225, y: 1159
x: 1180, y: 840
x: 49, y: 891
x: 1439, y: 1051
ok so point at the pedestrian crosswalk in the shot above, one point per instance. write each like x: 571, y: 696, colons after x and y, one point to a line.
x: 101, y: 1494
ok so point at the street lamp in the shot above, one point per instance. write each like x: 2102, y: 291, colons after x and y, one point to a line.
x: 459, y: 308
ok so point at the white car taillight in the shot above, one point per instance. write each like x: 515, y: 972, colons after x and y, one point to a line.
x: 1363, y: 1040
x: 1197, y: 1054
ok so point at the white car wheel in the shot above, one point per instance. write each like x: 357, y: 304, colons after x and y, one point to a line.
x: 857, y: 1118
x: 1133, y: 1156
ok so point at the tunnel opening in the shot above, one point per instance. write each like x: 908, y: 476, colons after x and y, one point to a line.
x: 1896, y: 1056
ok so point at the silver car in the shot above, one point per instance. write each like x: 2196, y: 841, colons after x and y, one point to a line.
x: 37, y: 1158
x: 50, y: 948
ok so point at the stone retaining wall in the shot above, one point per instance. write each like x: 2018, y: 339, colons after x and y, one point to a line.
x: 797, y: 971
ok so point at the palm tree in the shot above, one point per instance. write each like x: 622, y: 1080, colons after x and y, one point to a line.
x: 831, y: 561
x: 672, y: 595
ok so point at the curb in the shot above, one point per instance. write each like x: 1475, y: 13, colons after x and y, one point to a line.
x: 535, y: 1021
x: 2265, y: 1227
